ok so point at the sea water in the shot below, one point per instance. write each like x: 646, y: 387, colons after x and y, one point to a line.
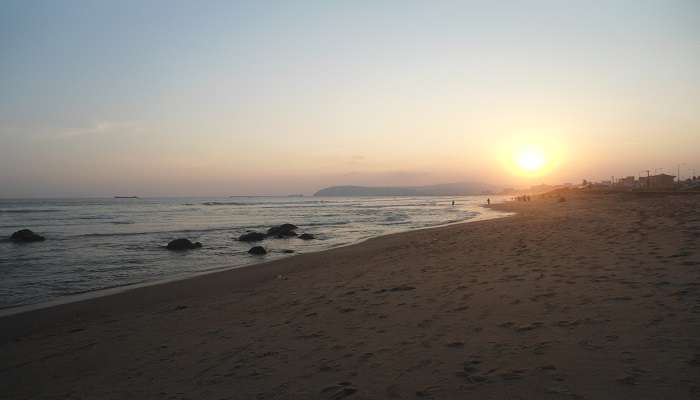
x: 96, y: 244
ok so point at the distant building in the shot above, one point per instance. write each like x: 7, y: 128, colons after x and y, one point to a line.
x: 603, y: 185
x: 627, y: 183
x: 541, y: 188
x: 692, y: 184
x: 660, y: 181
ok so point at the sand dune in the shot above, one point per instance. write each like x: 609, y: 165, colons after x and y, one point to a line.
x: 597, y: 297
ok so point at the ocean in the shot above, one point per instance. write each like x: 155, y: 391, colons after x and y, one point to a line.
x: 97, y: 244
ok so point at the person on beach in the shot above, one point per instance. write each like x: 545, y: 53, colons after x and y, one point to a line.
x: 453, y: 203
x: 488, y: 201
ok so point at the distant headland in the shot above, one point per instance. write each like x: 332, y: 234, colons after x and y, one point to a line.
x: 445, y: 189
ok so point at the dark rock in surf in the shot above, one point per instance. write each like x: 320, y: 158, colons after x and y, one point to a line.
x: 307, y: 236
x: 257, y: 251
x: 183, y: 244
x: 286, y: 234
x: 252, y: 237
x: 282, y: 231
x: 289, y: 227
x: 287, y: 251
x: 26, y: 235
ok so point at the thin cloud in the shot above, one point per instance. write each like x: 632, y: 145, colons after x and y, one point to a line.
x: 356, y: 159
x: 98, y: 128
x: 34, y: 131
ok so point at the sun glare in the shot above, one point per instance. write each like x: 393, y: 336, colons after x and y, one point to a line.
x: 530, y: 159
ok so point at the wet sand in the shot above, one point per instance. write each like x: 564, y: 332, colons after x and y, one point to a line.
x: 597, y: 297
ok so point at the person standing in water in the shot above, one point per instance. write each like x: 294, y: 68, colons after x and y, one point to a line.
x: 488, y: 201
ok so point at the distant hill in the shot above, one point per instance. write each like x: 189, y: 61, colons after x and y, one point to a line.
x: 445, y: 189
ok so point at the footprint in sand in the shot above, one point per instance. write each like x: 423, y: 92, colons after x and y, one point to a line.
x: 528, y: 327
x: 471, y: 371
x: 631, y: 376
x: 589, y: 345
x: 513, y: 374
x: 338, y: 391
x: 695, y: 361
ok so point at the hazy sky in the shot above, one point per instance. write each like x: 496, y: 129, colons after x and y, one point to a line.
x: 218, y: 98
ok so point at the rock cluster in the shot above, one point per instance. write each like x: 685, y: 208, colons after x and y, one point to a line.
x: 252, y: 237
x: 257, y: 251
x: 283, y: 231
x: 26, y: 235
x: 278, y: 232
x: 183, y: 244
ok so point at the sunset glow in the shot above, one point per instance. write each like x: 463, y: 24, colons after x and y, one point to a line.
x: 270, y: 100
x: 531, y: 159
x: 430, y: 190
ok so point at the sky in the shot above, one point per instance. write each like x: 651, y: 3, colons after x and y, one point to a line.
x: 184, y: 98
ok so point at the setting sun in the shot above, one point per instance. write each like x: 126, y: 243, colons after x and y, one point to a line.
x: 530, y: 159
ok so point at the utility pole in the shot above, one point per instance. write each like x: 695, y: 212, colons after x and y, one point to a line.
x: 648, y: 179
x: 679, y: 173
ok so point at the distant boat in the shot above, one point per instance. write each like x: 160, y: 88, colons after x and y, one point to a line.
x: 126, y: 197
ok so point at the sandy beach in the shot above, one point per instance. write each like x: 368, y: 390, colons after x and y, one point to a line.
x: 597, y: 297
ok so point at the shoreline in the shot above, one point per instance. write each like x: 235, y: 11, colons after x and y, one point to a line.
x: 110, y: 291
x: 81, y: 301
x: 595, y: 297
